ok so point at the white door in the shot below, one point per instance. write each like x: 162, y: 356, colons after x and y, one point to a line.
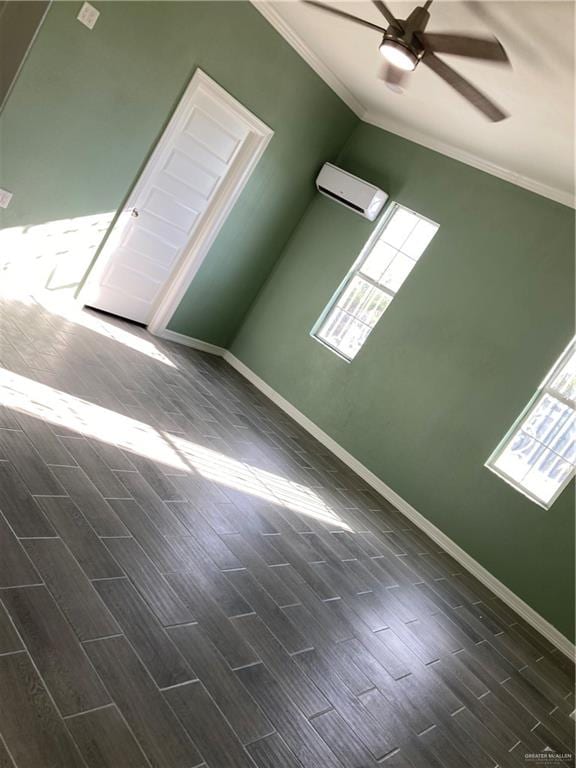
x: 177, y: 191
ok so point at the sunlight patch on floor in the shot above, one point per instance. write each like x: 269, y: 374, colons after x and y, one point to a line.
x: 104, y: 327
x: 257, y: 482
x: 170, y: 450
x: 47, y: 262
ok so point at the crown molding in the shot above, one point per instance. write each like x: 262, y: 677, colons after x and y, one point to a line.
x: 266, y: 8
x: 275, y: 19
x: 468, y: 158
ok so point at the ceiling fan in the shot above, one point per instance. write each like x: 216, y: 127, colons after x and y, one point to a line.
x: 405, y: 44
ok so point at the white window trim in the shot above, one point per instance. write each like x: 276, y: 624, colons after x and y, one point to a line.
x: 543, y: 390
x: 355, y: 268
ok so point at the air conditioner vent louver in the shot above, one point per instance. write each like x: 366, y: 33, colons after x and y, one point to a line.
x: 334, y: 196
x: 348, y: 190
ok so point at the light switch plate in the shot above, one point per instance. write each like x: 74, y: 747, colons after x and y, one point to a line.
x: 88, y: 15
x: 5, y: 198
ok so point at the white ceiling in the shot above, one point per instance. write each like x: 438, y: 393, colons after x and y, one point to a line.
x: 534, y: 147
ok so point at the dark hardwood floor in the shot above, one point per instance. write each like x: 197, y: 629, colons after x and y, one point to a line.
x: 187, y: 579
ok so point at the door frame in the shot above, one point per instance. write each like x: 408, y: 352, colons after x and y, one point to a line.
x: 196, y: 250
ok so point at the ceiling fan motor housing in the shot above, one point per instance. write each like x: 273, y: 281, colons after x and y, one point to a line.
x: 405, y: 37
x: 413, y: 50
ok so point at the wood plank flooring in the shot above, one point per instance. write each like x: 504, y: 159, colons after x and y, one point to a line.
x: 188, y: 579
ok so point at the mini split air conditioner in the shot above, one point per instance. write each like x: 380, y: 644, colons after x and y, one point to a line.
x: 349, y: 190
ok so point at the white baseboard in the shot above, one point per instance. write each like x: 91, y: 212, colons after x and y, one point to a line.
x: 467, y: 561
x: 189, y: 341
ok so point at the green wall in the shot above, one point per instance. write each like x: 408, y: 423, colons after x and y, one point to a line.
x: 454, y: 359
x: 89, y: 106
x: 452, y: 362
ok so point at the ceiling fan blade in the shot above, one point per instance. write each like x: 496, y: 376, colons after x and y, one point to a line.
x: 464, y: 88
x: 388, y: 15
x: 463, y: 45
x: 394, y: 78
x: 345, y: 15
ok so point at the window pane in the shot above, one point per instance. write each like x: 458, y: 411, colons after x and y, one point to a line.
x: 564, y: 442
x: 564, y: 382
x: 397, y: 272
x: 399, y: 227
x: 344, y: 333
x: 536, y: 468
x: 419, y: 239
x: 547, y: 474
x: 540, y: 457
x: 518, y: 456
x: 547, y: 419
x: 355, y: 295
x: 379, y: 258
x: 366, y: 294
x: 364, y: 301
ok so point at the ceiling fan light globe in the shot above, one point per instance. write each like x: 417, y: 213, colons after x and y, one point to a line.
x: 398, y: 55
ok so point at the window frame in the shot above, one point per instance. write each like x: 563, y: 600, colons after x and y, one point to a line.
x: 354, y: 270
x: 544, y: 389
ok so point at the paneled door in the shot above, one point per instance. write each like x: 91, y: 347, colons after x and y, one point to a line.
x: 194, y: 171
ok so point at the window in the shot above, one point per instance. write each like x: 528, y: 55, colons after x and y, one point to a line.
x: 384, y: 264
x: 538, y: 455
